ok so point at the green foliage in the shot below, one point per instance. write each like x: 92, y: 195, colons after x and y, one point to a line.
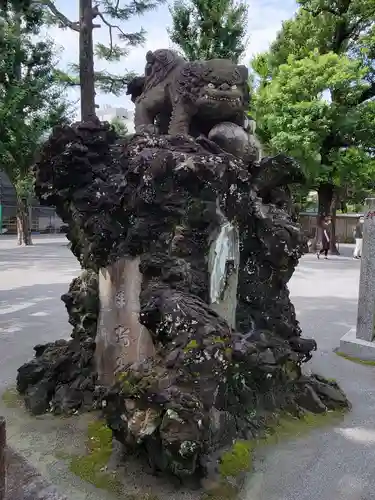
x: 111, y: 16
x: 30, y: 98
x: 120, y: 127
x: 314, y: 94
x: 209, y: 29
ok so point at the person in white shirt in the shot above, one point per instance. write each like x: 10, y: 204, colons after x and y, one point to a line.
x: 358, y: 235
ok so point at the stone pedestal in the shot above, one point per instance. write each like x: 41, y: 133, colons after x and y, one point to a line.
x: 359, y: 342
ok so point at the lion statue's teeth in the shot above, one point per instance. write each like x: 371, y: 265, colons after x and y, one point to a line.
x: 170, y: 96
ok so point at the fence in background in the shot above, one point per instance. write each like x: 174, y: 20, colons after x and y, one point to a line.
x: 345, y: 226
x: 43, y: 220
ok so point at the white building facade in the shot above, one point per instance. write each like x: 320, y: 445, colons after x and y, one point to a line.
x: 107, y: 113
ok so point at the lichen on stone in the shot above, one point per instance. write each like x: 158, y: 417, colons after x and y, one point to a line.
x: 192, y: 344
x: 236, y: 460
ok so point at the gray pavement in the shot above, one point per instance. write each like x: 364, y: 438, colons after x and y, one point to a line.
x: 32, y: 279
x: 336, y: 463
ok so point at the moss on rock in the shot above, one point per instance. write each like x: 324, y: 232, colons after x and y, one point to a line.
x: 237, y: 460
x: 193, y: 344
x: 92, y: 467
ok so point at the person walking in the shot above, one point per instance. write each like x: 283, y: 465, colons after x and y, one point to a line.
x: 358, y: 235
x: 325, y: 237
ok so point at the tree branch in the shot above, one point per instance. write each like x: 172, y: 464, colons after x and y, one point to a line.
x: 97, y: 13
x: 367, y: 94
x: 132, y: 39
x: 65, y: 22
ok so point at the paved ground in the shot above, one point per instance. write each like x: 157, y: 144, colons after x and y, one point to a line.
x: 333, y: 464
x: 32, y: 280
x: 336, y: 463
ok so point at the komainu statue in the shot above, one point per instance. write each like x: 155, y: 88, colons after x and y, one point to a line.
x: 184, y: 332
x: 195, y: 96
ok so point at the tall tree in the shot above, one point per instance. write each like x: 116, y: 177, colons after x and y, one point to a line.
x: 110, y: 14
x: 315, y: 95
x: 209, y: 29
x: 30, y: 103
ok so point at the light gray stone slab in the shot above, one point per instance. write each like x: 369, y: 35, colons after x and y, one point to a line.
x: 352, y: 346
x: 366, y: 299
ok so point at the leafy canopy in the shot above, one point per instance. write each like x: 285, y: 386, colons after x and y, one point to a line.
x: 209, y: 29
x: 315, y: 92
x: 30, y: 99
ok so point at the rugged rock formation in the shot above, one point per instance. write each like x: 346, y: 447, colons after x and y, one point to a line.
x: 62, y: 376
x: 164, y: 203
x: 183, y: 326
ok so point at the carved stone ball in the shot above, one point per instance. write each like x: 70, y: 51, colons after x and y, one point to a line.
x: 235, y: 140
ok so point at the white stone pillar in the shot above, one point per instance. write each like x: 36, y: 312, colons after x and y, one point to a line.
x: 366, y: 299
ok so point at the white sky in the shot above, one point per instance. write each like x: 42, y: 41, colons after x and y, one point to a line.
x: 265, y: 18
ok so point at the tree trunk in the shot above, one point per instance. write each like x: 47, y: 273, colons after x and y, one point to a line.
x: 332, y: 242
x: 86, y: 61
x: 121, y: 340
x: 23, y: 223
x: 325, y: 195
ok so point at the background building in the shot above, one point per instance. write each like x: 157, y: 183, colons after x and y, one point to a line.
x: 107, y: 113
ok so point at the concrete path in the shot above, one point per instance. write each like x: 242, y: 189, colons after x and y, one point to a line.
x: 332, y: 464
x: 32, y: 279
x: 335, y: 463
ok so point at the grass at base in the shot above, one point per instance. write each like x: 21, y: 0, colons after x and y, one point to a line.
x: 238, y: 460
x: 92, y: 467
x: 356, y: 360
x: 11, y: 398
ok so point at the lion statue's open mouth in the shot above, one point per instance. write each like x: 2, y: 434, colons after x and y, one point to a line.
x: 183, y: 91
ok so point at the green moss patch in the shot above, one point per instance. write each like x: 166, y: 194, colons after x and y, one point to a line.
x: 92, y: 467
x: 236, y: 460
x: 287, y: 427
x: 193, y: 344
x: 11, y: 398
x: 356, y: 360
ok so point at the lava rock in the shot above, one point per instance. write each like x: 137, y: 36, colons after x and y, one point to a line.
x: 161, y: 198
x: 310, y: 401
